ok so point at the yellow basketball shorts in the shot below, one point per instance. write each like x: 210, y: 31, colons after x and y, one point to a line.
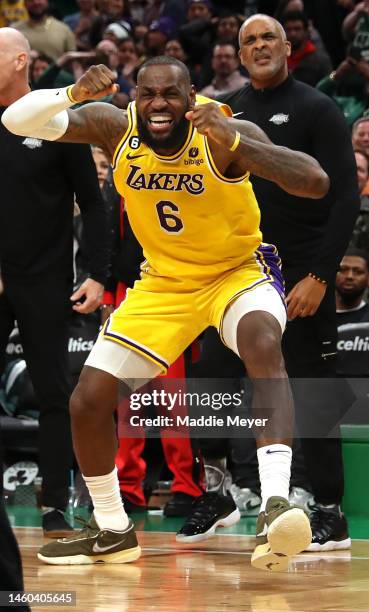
x: 160, y: 317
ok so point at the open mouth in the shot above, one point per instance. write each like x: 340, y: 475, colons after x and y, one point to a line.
x: 160, y: 123
x: 261, y: 60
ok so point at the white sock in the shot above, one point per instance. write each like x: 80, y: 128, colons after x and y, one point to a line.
x: 274, y: 471
x: 108, y: 506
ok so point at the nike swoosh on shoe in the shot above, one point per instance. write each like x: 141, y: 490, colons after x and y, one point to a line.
x: 101, y: 549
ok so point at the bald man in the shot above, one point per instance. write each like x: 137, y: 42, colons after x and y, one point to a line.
x: 14, y: 54
x: 311, y: 239
x: 12, y: 45
x: 39, y: 181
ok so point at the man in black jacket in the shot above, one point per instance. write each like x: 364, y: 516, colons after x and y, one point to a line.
x: 39, y: 180
x: 311, y: 238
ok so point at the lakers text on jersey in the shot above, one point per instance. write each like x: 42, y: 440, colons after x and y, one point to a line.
x: 201, y: 239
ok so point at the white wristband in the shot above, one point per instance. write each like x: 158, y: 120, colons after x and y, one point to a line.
x: 41, y: 114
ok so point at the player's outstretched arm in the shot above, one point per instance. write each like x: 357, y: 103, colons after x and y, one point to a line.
x: 46, y: 113
x: 247, y: 146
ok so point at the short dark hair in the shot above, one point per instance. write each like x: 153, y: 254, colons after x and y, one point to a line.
x: 355, y: 252
x: 295, y: 16
x: 166, y: 60
x: 226, y: 44
x: 43, y: 58
x: 225, y: 13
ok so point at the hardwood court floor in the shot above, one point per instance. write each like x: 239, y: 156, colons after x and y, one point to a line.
x: 214, y: 576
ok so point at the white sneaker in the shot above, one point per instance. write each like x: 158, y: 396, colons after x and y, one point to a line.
x: 246, y: 501
x: 301, y: 498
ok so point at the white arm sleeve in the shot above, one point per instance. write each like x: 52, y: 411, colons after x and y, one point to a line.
x: 41, y: 114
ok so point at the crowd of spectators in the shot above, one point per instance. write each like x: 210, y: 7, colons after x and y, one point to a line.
x: 329, y: 50
x: 329, y: 41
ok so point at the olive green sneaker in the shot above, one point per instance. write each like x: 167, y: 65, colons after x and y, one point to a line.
x: 93, y: 545
x: 281, y: 532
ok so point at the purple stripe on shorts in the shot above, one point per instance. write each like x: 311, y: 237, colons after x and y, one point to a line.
x: 140, y: 349
x: 269, y: 254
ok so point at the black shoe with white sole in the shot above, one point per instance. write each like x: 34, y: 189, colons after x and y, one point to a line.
x: 209, y: 511
x: 330, y: 529
x: 179, y: 505
x: 54, y: 524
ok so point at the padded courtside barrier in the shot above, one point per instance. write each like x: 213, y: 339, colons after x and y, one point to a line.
x: 355, y: 440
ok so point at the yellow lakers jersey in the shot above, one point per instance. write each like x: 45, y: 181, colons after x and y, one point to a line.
x: 192, y: 222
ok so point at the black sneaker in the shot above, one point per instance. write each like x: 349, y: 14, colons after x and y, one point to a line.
x: 330, y: 529
x: 179, y: 505
x: 130, y: 507
x: 54, y: 524
x: 209, y: 511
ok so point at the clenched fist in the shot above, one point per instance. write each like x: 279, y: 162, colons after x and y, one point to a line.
x: 209, y: 120
x: 97, y: 82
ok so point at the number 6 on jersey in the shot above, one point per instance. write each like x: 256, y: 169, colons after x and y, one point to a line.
x: 169, y: 221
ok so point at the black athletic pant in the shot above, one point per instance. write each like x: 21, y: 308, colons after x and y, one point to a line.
x: 41, y: 307
x: 11, y: 578
x: 319, y: 404
x: 227, y: 372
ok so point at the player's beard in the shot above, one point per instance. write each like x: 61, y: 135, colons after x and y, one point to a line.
x: 172, y: 142
x: 350, y: 296
x: 38, y: 16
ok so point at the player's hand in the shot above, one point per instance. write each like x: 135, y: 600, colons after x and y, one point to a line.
x: 97, y: 82
x: 209, y: 120
x: 304, y: 298
x: 88, y: 297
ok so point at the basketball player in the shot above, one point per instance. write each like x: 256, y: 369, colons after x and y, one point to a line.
x: 205, y: 265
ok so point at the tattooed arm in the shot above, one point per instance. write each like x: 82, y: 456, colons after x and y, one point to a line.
x: 297, y: 173
x: 294, y: 171
x: 101, y: 124
x: 98, y: 123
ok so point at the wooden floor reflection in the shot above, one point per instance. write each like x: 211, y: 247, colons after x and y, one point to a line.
x: 213, y: 577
